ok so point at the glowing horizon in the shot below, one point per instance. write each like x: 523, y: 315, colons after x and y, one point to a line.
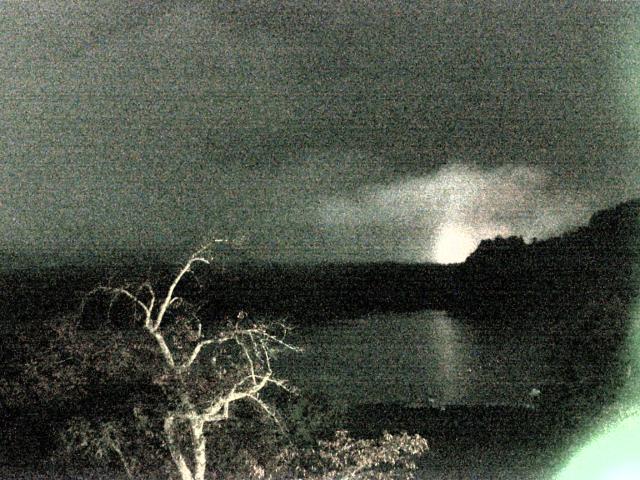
x: 453, y: 245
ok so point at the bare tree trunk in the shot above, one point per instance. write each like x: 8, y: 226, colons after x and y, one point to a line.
x: 123, y: 460
x: 174, y: 448
x: 199, y: 443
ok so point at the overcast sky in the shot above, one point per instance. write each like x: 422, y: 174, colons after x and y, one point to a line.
x: 319, y: 130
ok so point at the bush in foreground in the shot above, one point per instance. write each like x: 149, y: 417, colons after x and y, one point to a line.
x: 166, y: 398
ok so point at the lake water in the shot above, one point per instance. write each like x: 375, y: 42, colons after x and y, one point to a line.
x: 421, y: 358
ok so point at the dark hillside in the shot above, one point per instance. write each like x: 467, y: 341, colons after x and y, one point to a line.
x: 575, y: 291
x: 302, y: 293
x: 508, y: 280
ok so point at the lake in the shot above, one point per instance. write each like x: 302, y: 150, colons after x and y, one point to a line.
x: 423, y: 358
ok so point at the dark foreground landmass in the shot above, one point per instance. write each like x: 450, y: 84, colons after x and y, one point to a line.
x: 579, y: 287
x: 483, y: 442
x: 505, y: 280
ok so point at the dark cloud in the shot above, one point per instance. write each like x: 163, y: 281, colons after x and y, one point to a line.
x: 310, y: 126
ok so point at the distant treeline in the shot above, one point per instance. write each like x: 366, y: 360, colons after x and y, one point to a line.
x: 575, y: 290
x: 505, y: 280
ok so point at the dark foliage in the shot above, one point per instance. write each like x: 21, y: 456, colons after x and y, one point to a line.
x: 575, y: 289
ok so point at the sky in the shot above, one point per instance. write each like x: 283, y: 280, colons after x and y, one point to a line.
x: 314, y: 131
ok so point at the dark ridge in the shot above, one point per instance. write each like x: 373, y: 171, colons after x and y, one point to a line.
x: 578, y: 287
x: 504, y: 281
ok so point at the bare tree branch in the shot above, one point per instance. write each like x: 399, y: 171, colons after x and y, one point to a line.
x: 164, y: 348
x: 262, y: 332
x: 248, y: 357
x: 222, y: 338
x: 169, y: 297
x: 152, y: 293
x: 266, y: 356
x: 123, y: 291
x: 194, y: 403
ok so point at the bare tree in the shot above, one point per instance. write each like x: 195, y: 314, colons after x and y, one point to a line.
x: 204, y: 375
x: 150, y: 397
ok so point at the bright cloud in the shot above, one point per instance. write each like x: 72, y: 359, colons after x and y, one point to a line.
x: 443, y: 217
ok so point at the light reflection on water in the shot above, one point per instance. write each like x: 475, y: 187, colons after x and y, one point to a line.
x: 416, y: 358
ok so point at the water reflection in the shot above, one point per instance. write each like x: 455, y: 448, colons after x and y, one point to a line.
x: 419, y: 358
x: 453, y: 363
